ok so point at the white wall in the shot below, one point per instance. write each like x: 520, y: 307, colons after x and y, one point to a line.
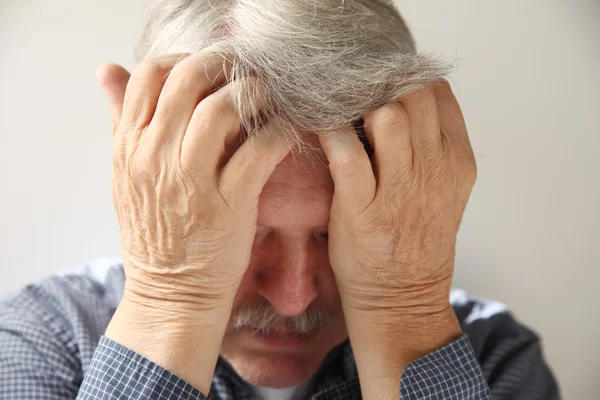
x: 529, y: 84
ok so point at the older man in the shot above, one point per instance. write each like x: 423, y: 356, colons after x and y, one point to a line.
x: 248, y: 272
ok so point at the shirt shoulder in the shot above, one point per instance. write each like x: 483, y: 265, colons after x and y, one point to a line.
x: 485, y: 321
x: 72, y: 308
x: 509, y: 352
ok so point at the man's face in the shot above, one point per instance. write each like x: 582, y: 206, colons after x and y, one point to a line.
x: 289, y: 275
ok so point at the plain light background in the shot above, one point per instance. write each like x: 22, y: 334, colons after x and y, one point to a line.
x: 527, y: 78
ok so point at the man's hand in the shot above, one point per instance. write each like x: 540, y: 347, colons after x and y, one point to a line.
x: 187, y: 214
x: 393, y: 227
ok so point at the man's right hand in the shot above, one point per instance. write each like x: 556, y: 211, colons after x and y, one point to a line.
x: 187, y: 223
x: 187, y: 212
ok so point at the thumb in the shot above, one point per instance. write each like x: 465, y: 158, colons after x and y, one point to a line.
x: 113, y: 80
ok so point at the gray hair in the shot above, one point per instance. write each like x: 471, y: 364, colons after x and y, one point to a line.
x: 318, y: 65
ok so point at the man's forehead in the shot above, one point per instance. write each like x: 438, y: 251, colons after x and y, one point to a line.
x: 306, y: 168
x: 302, y: 171
x: 297, y: 196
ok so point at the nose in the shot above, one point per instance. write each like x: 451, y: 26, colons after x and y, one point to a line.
x: 290, y: 285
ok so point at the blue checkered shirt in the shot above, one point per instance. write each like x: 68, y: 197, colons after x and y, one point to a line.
x: 52, y: 347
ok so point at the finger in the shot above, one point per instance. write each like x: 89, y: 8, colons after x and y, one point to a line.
x: 144, y: 88
x: 452, y: 122
x: 425, y: 133
x: 213, y: 127
x: 113, y: 80
x: 252, y: 164
x: 388, y: 131
x: 189, y: 82
x: 141, y: 95
x: 349, y: 166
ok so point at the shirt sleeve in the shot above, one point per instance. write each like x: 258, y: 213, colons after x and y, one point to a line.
x: 117, y: 372
x: 495, y: 358
x: 38, y: 357
x: 51, y: 347
x: 451, y: 372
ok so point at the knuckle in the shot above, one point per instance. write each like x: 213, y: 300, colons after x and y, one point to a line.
x: 184, y: 79
x: 210, y: 108
x: 144, y: 169
x: 425, y: 93
x: 467, y: 165
x: 186, y: 74
x: 471, y: 171
x: 149, y: 68
x: 429, y: 91
x: 350, y: 159
x: 392, y: 114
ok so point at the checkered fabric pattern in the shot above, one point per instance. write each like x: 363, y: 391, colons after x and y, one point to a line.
x: 52, y: 348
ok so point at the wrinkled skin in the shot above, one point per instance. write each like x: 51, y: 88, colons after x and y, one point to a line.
x: 393, y: 227
x: 187, y: 226
x: 188, y: 204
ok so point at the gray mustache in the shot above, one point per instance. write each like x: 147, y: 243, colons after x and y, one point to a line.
x: 261, y: 316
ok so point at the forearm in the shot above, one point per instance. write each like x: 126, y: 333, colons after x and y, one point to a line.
x: 185, y: 342
x: 384, y: 345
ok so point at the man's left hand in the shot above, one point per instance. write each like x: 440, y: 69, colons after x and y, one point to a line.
x: 394, y: 220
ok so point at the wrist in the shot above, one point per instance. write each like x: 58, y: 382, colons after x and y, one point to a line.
x: 416, y: 298
x: 406, y: 335
x: 421, y: 334
x: 385, y: 343
x: 184, y: 341
x: 169, y: 293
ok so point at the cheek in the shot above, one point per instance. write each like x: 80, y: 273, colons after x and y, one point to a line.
x: 246, y: 292
x: 328, y: 291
